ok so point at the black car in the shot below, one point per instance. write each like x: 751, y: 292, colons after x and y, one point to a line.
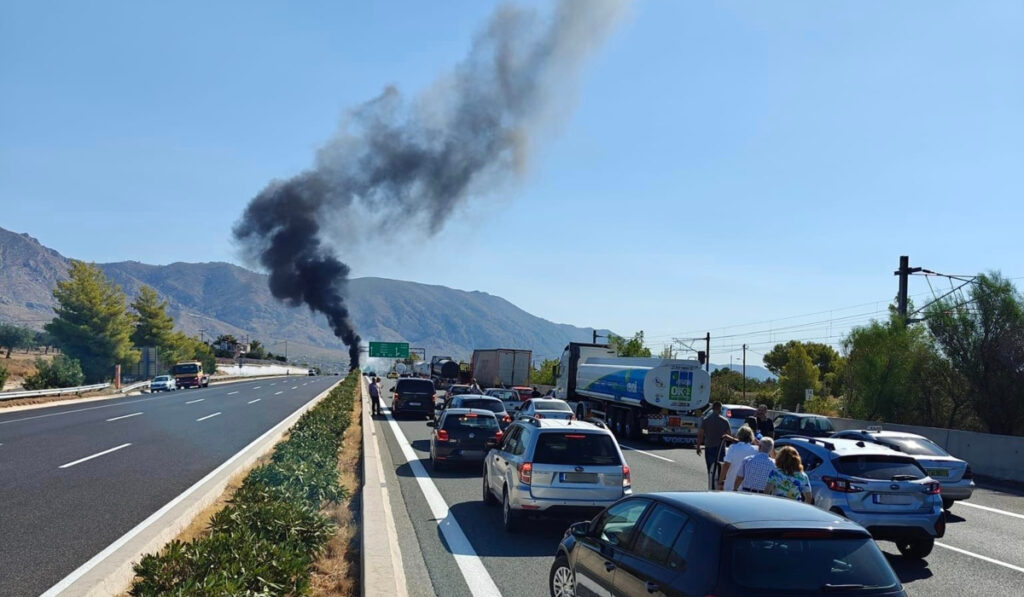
x: 719, y: 543
x: 463, y: 435
x: 413, y: 397
x: 805, y: 424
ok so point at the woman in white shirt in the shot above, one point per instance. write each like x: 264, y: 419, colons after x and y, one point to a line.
x: 734, y: 457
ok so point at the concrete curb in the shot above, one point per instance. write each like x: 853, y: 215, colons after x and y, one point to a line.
x: 382, y: 574
x: 110, y: 571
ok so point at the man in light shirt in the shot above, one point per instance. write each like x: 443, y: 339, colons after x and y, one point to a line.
x: 735, y: 456
x: 753, y: 473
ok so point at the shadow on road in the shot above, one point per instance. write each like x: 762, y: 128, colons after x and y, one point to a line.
x: 950, y: 517
x: 482, y: 526
x: 909, y: 570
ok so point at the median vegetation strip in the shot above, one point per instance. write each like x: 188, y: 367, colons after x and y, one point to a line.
x: 273, y: 530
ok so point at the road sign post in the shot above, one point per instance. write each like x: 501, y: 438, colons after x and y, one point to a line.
x: 389, y: 350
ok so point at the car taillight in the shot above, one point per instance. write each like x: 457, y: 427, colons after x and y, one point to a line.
x: 442, y: 435
x: 933, y: 488
x: 525, y: 471
x: 538, y: 416
x: 499, y: 435
x: 575, y: 436
x: 626, y: 480
x: 841, y: 485
x: 968, y: 473
x: 506, y: 419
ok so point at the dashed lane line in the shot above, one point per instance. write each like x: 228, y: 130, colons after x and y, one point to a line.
x: 256, y: 400
x: 278, y: 393
x: 988, y: 509
x: 96, y: 455
x: 980, y: 557
x: 232, y: 393
x: 124, y: 417
x: 207, y: 417
x: 472, y: 567
x: 196, y: 400
x: 644, y: 452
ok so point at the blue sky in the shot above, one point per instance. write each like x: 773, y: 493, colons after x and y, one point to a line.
x: 726, y: 163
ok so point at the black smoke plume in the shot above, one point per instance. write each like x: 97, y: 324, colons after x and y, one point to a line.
x: 462, y: 137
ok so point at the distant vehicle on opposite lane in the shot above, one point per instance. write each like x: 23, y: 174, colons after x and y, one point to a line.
x: 706, y: 543
x: 189, y: 374
x: 805, y: 424
x: 311, y: 372
x: 162, y: 383
x: 463, y: 435
x: 546, y: 408
x: 955, y: 474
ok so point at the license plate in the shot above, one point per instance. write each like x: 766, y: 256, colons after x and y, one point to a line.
x: 937, y: 472
x: 579, y: 477
x: 893, y: 499
x: 413, y: 404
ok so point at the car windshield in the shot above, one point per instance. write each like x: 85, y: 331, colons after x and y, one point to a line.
x: 879, y: 467
x: 415, y: 386
x: 740, y: 413
x: 503, y: 394
x: 491, y: 405
x: 161, y: 378
x: 790, y: 564
x: 470, y: 421
x: 551, y: 405
x: 185, y: 368
x: 456, y: 390
x: 815, y: 424
x: 581, y: 449
x: 915, y: 446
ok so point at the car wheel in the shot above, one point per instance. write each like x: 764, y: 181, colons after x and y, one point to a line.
x: 947, y: 504
x: 917, y: 548
x: 509, y: 517
x: 562, y: 580
x: 489, y: 499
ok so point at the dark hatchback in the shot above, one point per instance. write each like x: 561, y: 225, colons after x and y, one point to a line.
x: 803, y: 424
x: 463, y: 435
x: 719, y: 544
x: 413, y: 397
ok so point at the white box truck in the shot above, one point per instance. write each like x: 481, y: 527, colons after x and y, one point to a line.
x: 501, y: 367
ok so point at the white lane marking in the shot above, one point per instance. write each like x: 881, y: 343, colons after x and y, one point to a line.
x: 987, y: 509
x: 78, y: 410
x: 207, y: 417
x: 232, y: 393
x: 647, y: 453
x: 279, y: 393
x: 123, y: 417
x: 85, y: 568
x: 274, y: 384
x: 257, y: 387
x: 256, y: 400
x: 196, y: 400
x: 96, y: 455
x: 980, y: 557
x: 473, y: 570
x: 295, y: 387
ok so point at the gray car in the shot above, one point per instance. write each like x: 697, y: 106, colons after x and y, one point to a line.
x: 162, y: 383
x: 546, y: 408
x: 883, y: 490
x: 553, y: 466
x: 956, y: 475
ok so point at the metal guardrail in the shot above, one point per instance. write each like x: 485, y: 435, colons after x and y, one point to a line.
x: 53, y: 391
x: 134, y: 386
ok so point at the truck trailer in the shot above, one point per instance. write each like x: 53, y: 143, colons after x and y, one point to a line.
x: 635, y: 396
x: 501, y: 367
x: 443, y: 368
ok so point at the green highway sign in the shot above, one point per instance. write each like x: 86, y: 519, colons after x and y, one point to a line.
x: 389, y: 350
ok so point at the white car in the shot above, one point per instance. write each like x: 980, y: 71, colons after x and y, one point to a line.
x: 546, y: 408
x: 162, y: 383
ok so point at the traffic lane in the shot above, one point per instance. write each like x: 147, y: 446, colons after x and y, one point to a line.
x: 991, y: 496
x: 62, y: 517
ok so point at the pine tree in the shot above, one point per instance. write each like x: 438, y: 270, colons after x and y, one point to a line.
x: 154, y: 326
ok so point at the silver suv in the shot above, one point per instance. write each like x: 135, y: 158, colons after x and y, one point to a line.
x: 547, y: 466
x: 881, y: 489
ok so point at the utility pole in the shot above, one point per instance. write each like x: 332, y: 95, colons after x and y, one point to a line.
x: 744, y: 372
x: 595, y: 334
x: 904, y: 273
x: 201, y: 332
x: 707, y: 352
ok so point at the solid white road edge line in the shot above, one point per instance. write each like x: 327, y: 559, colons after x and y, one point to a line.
x: 85, y: 568
x: 194, y: 401
x: 123, y: 417
x: 207, y: 417
x: 646, y: 453
x: 980, y: 557
x: 232, y: 393
x: 256, y: 400
x: 987, y: 509
x: 472, y: 568
x: 96, y: 455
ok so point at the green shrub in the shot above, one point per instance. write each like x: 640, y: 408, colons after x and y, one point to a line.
x: 3, y: 375
x: 62, y: 372
x: 266, y: 539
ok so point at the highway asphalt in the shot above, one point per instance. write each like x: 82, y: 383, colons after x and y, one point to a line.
x: 74, y: 478
x: 981, y: 554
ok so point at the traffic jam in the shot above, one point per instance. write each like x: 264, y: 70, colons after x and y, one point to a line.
x: 788, y: 506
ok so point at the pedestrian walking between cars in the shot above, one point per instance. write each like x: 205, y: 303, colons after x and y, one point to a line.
x: 789, y: 479
x: 755, y: 470
x: 713, y: 432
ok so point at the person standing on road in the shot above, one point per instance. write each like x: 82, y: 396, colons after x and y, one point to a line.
x: 714, y: 429
x: 375, y: 396
x: 735, y: 456
x: 764, y: 425
x: 789, y: 479
x: 755, y: 470
x: 474, y: 388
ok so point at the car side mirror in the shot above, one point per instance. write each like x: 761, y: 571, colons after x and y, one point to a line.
x: 580, y: 529
x: 430, y: 423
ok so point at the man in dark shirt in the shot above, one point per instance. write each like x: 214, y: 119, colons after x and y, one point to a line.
x: 375, y: 396
x: 714, y: 429
x: 764, y: 425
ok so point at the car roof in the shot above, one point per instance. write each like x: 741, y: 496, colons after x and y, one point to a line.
x: 461, y: 397
x: 801, y: 415
x: 466, y: 411
x: 747, y: 511
x: 842, y: 446
x: 884, y: 433
x: 561, y: 425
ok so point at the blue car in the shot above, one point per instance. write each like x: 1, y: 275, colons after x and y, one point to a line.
x: 719, y: 543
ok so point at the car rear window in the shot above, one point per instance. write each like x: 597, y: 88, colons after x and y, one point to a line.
x: 418, y: 386
x: 792, y: 565
x: 816, y: 424
x: 491, y: 405
x: 879, y: 467
x: 582, y: 449
x: 915, y: 446
x: 470, y: 421
x: 504, y: 394
x: 551, y: 405
x: 740, y: 413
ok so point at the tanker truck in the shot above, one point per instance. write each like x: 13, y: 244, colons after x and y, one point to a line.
x: 443, y: 368
x: 635, y: 396
x: 421, y: 369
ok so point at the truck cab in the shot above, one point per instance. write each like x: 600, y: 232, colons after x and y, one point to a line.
x: 189, y: 374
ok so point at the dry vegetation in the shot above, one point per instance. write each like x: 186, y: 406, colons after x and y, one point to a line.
x: 21, y: 365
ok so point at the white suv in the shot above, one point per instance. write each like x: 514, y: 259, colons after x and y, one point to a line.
x: 547, y: 466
